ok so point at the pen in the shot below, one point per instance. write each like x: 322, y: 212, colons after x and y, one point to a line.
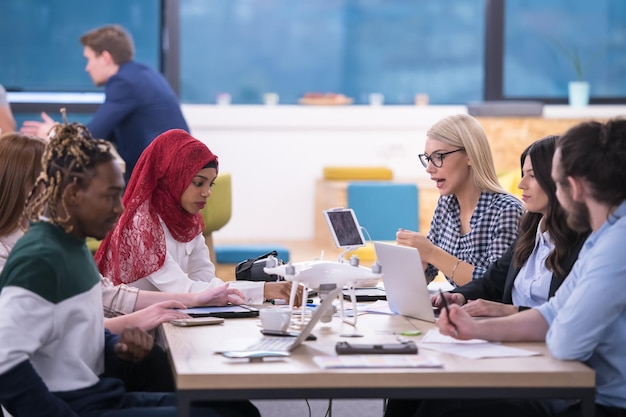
x: 447, y: 308
x: 278, y: 301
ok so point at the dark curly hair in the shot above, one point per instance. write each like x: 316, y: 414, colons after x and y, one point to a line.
x: 69, y: 158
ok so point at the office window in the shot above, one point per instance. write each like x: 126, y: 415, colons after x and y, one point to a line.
x: 452, y: 50
x: 542, y: 37
x: 355, y: 47
x: 40, y: 46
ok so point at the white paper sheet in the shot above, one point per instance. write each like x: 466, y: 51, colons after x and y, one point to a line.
x: 434, y: 336
x: 479, y: 350
x: 473, y: 348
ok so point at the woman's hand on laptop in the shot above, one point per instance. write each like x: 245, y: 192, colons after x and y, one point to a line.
x: 218, y: 296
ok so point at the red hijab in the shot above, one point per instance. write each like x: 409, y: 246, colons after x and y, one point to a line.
x: 135, y: 248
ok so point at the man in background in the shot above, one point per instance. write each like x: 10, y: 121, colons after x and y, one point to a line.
x: 139, y: 103
x: 7, y: 122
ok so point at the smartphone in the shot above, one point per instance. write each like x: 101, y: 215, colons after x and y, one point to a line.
x: 345, y: 348
x: 286, y: 334
x: 197, y: 321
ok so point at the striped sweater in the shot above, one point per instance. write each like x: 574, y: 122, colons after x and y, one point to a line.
x: 52, y: 335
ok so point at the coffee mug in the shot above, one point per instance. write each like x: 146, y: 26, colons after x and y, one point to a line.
x: 275, y: 318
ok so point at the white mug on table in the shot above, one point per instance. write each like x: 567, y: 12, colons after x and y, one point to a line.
x: 275, y: 318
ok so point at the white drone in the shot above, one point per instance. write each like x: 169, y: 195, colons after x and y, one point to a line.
x: 323, y: 276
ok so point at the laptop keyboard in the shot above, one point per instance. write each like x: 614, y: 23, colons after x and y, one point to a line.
x: 272, y: 343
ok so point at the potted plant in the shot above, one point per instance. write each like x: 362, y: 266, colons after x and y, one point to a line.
x: 578, y: 89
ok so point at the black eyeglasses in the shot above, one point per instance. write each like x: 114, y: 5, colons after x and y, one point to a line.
x: 436, y: 158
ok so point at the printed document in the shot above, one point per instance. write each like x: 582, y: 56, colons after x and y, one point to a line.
x: 473, y: 348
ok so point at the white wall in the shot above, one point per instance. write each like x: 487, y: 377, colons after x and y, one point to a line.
x: 276, y: 153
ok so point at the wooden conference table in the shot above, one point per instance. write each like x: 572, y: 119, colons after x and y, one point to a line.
x: 202, y: 375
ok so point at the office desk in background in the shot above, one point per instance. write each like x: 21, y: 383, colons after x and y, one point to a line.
x: 202, y: 375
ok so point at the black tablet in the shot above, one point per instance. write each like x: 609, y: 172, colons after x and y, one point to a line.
x: 226, y: 312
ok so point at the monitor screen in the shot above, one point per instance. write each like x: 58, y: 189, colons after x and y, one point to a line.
x: 345, y: 228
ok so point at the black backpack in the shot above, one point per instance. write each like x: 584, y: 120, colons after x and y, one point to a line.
x: 252, y: 269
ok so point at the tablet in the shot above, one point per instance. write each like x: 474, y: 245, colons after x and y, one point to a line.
x: 366, y: 294
x: 225, y: 312
x: 344, y: 227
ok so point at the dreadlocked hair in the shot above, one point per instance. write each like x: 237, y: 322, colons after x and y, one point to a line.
x: 69, y: 158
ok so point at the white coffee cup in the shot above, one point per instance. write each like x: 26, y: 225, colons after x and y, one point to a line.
x: 275, y: 318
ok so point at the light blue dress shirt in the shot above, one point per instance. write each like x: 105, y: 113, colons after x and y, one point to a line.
x: 587, y: 315
x: 531, y: 287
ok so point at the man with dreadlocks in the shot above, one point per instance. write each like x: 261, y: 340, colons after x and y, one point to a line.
x: 50, y: 285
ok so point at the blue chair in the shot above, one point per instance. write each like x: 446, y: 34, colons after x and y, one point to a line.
x: 382, y: 208
x: 233, y: 254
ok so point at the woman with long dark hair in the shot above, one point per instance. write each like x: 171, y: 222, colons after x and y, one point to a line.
x: 531, y: 271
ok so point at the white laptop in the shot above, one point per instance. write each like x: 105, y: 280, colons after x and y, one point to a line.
x: 405, y: 283
x: 278, y: 345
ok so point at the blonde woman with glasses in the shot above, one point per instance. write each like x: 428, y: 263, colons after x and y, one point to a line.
x: 475, y: 220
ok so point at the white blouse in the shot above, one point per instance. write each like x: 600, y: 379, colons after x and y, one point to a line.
x: 531, y: 287
x: 188, y: 268
x: 6, y: 245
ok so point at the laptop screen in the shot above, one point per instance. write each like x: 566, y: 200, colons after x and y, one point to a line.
x: 344, y: 227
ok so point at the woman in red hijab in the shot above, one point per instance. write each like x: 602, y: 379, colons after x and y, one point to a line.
x: 157, y: 243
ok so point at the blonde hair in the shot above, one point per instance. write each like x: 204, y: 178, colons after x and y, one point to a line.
x: 463, y: 131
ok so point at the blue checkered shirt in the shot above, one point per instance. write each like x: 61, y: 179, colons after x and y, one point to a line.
x: 493, y: 229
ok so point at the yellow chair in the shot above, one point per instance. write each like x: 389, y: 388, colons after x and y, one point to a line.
x: 218, y: 209
x: 357, y: 173
x: 509, y: 181
x: 93, y: 244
